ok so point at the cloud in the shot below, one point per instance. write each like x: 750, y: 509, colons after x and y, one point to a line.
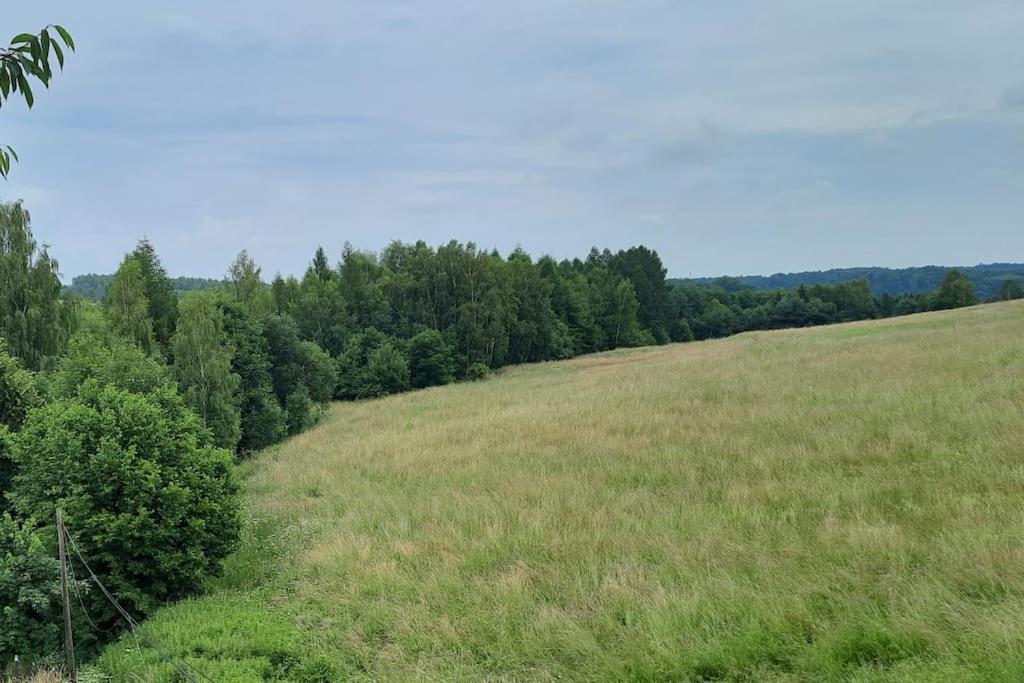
x: 733, y: 137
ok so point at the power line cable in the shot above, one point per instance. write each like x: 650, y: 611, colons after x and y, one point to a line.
x: 81, y: 601
x: 182, y: 668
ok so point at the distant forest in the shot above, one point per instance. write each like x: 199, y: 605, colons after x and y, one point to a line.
x: 987, y: 278
x: 94, y: 286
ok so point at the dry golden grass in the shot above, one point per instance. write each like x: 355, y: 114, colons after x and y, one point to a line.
x: 838, y: 503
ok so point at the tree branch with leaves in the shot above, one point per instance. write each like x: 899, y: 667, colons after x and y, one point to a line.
x: 29, y: 56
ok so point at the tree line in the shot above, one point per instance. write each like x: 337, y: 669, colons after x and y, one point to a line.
x: 988, y: 278
x: 128, y: 412
x: 94, y: 286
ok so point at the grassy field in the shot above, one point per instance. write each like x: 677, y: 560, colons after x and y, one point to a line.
x: 838, y: 503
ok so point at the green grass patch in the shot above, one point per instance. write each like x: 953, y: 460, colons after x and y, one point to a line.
x: 783, y: 506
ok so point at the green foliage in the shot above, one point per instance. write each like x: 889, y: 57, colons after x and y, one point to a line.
x: 359, y: 277
x: 18, y: 392
x: 35, y: 321
x: 246, y: 282
x: 263, y: 421
x: 319, y: 310
x: 202, y: 364
x: 93, y: 286
x: 477, y: 371
x: 160, y: 297
x: 316, y: 372
x: 956, y: 291
x: 354, y: 380
x: 128, y: 306
x: 282, y: 338
x: 30, y: 617
x: 299, y: 408
x: 153, y: 504
x: 1010, y: 290
x: 371, y: 366
x: 896, y: 282
x: 642, y: 267
x: 431, y: 361
x: 95, y: 362
x: 387, y: 371
x: 29, y: 56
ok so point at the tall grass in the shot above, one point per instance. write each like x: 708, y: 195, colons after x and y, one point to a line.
x: 839, y: 503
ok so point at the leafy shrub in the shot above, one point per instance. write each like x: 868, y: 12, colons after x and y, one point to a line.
x: 154, y: 506
x: 318, y: 372
x: 29, y: 594
x: 371, y: 366
x: 300, y: 410
x: 18, y: 394
x: 263, y: 420
x: 94, y: 361
x: 477, y: 371
x: 353, y: 375
x: 388, y: 371
x: 294, y: 362
x: 431, y: 361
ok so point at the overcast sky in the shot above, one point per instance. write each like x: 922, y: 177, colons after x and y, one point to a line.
x: 733, y: 137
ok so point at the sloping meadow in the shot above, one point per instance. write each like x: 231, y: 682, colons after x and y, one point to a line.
x: 837, y: 503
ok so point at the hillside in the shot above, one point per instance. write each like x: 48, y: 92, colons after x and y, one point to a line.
x: 841, y: 502
x: 987, y: 278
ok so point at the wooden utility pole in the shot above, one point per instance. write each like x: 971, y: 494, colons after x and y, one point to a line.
x: 69, y: 642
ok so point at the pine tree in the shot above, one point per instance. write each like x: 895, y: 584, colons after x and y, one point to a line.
x: 162, y: 301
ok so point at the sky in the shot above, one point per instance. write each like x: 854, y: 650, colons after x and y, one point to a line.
x: 734, y: 137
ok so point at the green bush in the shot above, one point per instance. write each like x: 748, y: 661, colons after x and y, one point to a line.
x: 353, y: 371
x: 477, y: 371
x: 93, y: 361
x: 300, y: 410
x: 387, y: 371
x: 30, y: 618
x: 263, y: 420
x: 154, y: 506
x: 18, y: 393
x: 318, y: 372
x: 431, y: 361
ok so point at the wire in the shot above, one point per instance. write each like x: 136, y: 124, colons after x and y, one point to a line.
x: 182, y: 668
x: 85, y: 611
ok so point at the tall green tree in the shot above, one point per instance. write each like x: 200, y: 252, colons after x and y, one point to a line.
x: 431, y: 361
x: 263, y: 420
x: 643, y: 268
x: 18, y: 396
x: 245, y: 278
x: 202, y: 364
x: 35, y: 321
x: 160, y: 297
x: 128, y: 307
x: 1010, y: 290
x: 956, y: 291
x: 360, y: 274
